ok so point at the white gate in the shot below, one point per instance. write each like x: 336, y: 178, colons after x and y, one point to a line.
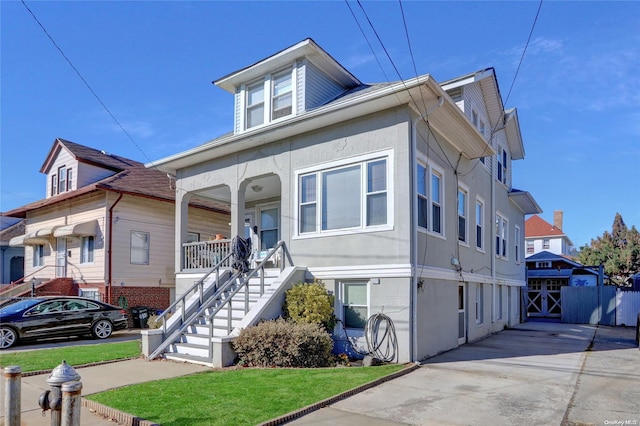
x: 627, y: 307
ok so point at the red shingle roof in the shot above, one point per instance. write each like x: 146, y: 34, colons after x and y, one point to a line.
x: 535, y: 226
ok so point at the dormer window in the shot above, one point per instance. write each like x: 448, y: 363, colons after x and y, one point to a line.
x: 282, y: 95
x: 261, y: 109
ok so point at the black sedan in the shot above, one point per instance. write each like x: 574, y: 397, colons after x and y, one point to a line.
x: 45, y: 317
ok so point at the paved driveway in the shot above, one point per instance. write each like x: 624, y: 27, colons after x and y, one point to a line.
x: 533, y: 374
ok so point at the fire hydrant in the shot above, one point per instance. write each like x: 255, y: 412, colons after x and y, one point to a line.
x: 53, y: 399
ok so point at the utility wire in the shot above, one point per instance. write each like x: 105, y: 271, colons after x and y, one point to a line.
x: 86, y: 83
x: 494, y: 129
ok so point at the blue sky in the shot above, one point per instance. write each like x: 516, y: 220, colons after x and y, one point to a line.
x: 152, y: 63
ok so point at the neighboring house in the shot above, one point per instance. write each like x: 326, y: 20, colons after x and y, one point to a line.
x: 105, y: 229
x: 547, y: 273
x: 540, y: 235
x: 12, y: 261
x: 397, y: 196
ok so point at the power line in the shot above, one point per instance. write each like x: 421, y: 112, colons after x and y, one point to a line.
x: 86, y: 83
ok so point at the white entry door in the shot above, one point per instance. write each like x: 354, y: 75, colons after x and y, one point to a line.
x: 462, y: 315
x: 61, y: 257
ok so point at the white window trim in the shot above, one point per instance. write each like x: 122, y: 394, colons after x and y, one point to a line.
x: 363, y: 228
x: 430, y: 169
x: 268, y: 99
x: 504, y: 236
x: 482, y: 249
x: 465, y: 190
x: 357, y: 332
x: 37, y: 259
x: 148, y: 248
x: 83, y: 260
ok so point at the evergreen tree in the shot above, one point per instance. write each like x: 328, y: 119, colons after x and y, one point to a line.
x: 618, y: 251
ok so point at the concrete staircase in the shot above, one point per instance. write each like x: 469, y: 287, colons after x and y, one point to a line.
x: 201, y: 325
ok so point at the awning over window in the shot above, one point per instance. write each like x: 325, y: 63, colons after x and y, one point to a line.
x: 41, y: 236
x: 26, y: 240
x: 77, y: 229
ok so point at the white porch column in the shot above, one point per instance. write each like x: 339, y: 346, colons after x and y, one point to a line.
x: 237, y: 210
x: 182, y: 225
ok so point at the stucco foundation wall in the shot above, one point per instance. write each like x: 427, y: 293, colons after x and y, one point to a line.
x: 437, y: 317
x: 391, y: 297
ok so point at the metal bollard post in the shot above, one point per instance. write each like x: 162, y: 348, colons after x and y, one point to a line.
x: 13, y: 375
x: 53, y: 399
x: 71, y: 403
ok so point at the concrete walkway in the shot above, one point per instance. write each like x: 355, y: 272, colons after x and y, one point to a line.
x: 533, y: 374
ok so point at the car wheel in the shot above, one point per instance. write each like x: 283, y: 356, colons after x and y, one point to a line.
x: 8, y: 337
x: 102, y: 329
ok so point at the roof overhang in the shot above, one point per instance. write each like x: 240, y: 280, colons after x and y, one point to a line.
x: 448, y: 121
x: 307, y: 49
x: 77, y: 229
x: 514, y: 137
x: 524, y: 201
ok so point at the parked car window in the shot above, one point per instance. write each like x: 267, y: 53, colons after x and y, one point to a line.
x: 47, y: 307
x: 75, y: 305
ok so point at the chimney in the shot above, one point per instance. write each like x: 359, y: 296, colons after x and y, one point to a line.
x: 557, y: 219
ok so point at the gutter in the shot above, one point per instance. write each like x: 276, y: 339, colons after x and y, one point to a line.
x: 110, y: 247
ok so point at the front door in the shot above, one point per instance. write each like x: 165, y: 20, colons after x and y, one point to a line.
x: 462, y: 321
x: 61, y: 257
x: 543, y: 299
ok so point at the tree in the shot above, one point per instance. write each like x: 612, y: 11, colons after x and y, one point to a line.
x: 618, y: 251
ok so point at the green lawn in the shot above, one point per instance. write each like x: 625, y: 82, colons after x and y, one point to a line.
x: 218, y: 397
x: 48, y: 359
x: 236, y: 397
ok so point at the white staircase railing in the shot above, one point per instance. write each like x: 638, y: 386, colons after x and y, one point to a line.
x: 208, y: 296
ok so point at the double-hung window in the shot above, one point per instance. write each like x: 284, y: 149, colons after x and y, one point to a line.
x: 344, y: 197
x: 429, y: 187
x: 479, y: 224
x: 436, y: 202
x: 54, y: 184
x: 530, y: 247
x: 282, y: 95
x: 462, y: 215
x: 502, y: 228
x: 38, y: 255
x: 255, y: 105
x: 86, y: 249
x: 423, y: 202
x: 355, y: 310
x: 62, y: 179
x: 139, y: 248
x: 269, y: 98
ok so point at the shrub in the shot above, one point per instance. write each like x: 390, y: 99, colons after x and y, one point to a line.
x: 310, y: 303
x: 281, y: 343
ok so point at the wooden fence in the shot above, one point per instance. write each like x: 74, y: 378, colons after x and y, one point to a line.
x: 600, y: 305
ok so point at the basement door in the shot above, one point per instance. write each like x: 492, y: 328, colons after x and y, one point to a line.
x: 544, y: 299
x: 462, y: 314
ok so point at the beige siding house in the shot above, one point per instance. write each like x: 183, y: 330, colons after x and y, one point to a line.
x: 106, y: 229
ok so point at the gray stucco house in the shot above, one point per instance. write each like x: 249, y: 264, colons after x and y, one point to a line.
x: 397, y: 196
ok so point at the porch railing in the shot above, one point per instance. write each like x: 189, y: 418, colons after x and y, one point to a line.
x: 206, y: 254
